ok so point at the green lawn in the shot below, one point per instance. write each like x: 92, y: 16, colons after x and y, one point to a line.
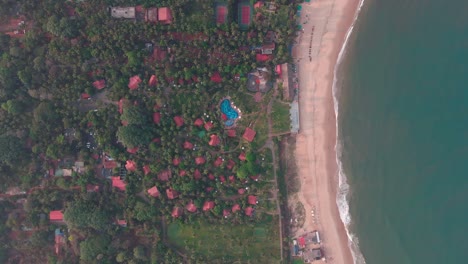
x: 229, y: 243
x: 280, y: 117
x: 261, y: 127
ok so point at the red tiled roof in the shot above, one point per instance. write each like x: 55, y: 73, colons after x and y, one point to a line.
x: 242, y: 156
x: 230, y: 165
x: 301, y: 241
x: 197, y: 174
x: 99, y: 84
x: 258, y: 4
x: 134, y: 82
x: 177, y: 212
x: 157, y: 118
x: 255, y: 178
x: 235, y: 208
x: 92, y: 188
x: 199, y: 160
x: 263, y: 57
x: 221, y: 14
x: 241, y: 191
x: 209, y: 189
x: 232, y: 178
x: 110, y: 164
x: 191, y: 207
x: 122, y: 222
x: 249, y: 211
x: 224, y: 117
x: 208, y: 205
x: 153, y: 191
x: 218, y: 162
x: 214, y: 140
x: 249, y: 134
x: 85, y: 96
x: 56, y: 216
x: 198, y: 122
x: 222, y: 178
x: 171, y: 194
x: 130, y: 165
x: 188, y: 145
x: 164, y: 175
x: 216, y: 77
x: 231, y: 133
x: 118, y: 183
x: 252, y: 199
x: 164, y: 15
x: 226, y: 212
x: 146, y: 169
x: 176, y: 161
x: 211, y: 176
x: 132, y: 150
x: 182, y: 173
x: 208, y: 126
x: 179, y: 121
x: 278, y: 70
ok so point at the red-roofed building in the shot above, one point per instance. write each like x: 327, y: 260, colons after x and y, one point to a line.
x: 241, y: 191
x: 153, y: 191
x: 99, y: 84
x: 255, y: 178
x: 197, y: 174
x: 208, y: 125
x: 130, y: 165
x: 56, y: 216
x: 209, y: 189
x: 109, y: 164
x: 231, y: 133
x: 249, y: 211
x: 258, y: 4
x: 301, y: 241
x: 208, y: 205
x: 164, y: 175
x: 171, y: 194
x: 221, y: 14
x: 153, y: 80
x: 218, y: 162
x: 216, y: 77
x: 85, y: 96
x: 200, y: 160
x: 157, y: 118
x: 188, y: 145
x: 252, y: 199
x: 242, y: 156
x: 222, y: 178
x: 211, y: 176
x: 191, y: 207
x: 176, y: 161
x: 182, y: 173
x: 92, y: 188
x: 118, y: 183
x: 198, y: 122
x: 132, y: 150
x: 278, y: 70
x: 164, y: 15
x: 214, y: 140
x: 177, y: 212
x: 249, y: 134
x: 235, y: 208
x: 134, y: 82
x: 179, y: 121
x: 146, y: 169
x: 232, y: 179
x: 122, y: 222
x: 226, y: 213
x: 230, y: 165
x: 263, y: 57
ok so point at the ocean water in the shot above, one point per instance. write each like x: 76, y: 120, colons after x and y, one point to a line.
x: 402, y: 102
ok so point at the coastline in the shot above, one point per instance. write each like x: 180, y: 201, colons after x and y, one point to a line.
x: 325, y: 24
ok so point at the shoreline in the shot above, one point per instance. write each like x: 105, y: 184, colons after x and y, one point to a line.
x: 325, y: 25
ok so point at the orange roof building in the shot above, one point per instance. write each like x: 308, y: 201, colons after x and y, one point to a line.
x: 208, y: 205
x: 153, y: 191
x: 191, y: 207
x: 188, y: 145
x: 235, y: 208
x: 179, y: 121
x: 214, y: 140
x: 146, y: 169
x: 249, y: 134
x: 56, y: 216
x: 198, y: 122
x: 164, y: 15
x: 249, y: 211
x: 134, y: 82
x: 153, y: 80
x: 157, y: 118
x: 177, y: 212
x: 99, y: 84
x: 252, y: 199
x: 200, y: 160
x: 171, y: 194
x: 118, y: 183
x: 130, y: 165
x: 208, y: 125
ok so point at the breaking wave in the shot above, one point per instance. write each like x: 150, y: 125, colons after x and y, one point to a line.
x: 343, y: 187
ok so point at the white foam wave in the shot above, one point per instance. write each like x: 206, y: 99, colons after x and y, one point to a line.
x: 343, y: 187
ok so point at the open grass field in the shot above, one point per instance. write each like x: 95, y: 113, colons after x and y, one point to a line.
x: 221, y: 243
x: 280, y: 117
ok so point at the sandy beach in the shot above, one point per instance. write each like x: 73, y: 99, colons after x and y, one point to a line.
x: 325, y: 23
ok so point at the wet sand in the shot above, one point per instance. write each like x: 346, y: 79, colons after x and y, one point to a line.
x: 325, y: 23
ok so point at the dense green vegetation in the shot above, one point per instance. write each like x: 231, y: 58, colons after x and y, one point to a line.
x: 65, y: 100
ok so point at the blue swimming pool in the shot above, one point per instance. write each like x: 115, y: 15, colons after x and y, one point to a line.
x: 227, y: 109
